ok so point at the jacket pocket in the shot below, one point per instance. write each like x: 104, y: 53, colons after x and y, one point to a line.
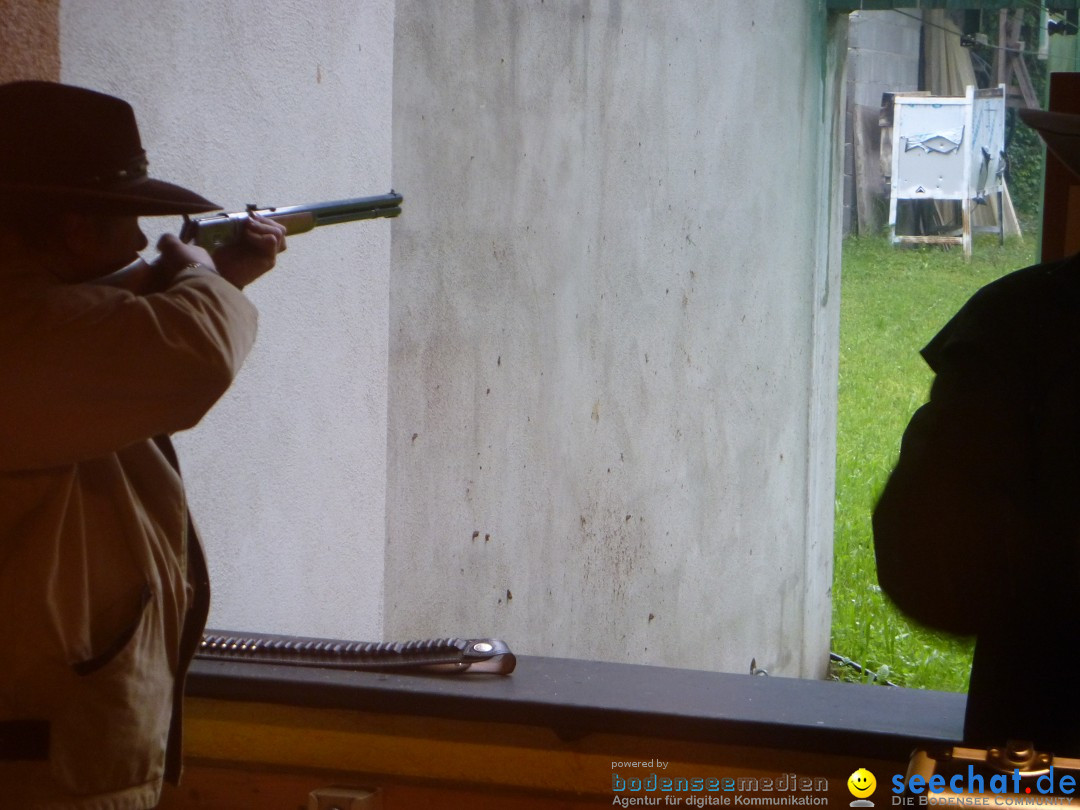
x: 103, y: 658
x: 112, y: 725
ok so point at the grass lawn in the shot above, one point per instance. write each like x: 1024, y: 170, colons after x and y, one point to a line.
x: 893, y: 301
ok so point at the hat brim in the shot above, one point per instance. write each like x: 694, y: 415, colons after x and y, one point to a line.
x: 146, y: 197
x: 1060, y: 132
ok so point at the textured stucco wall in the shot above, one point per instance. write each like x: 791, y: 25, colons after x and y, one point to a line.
x: 276, y: 103
x: 613, y: 329
x: 29, y: 40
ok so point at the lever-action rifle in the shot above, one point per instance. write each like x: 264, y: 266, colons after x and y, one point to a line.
x: 211, y: 231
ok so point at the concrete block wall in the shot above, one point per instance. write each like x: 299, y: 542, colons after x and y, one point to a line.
x: 883, y: 56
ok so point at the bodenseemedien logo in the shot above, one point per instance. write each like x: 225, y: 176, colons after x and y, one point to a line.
x: 661, y: 789
x: 862, y: 785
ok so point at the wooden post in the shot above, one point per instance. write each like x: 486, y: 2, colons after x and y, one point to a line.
x: 1000, y: 63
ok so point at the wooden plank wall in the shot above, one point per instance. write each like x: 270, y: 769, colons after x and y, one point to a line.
x: 1061, y: 191
x: 253, y: 756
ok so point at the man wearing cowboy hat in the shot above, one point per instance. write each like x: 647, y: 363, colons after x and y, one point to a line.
x: 978, y: 529
x: 103, y: 588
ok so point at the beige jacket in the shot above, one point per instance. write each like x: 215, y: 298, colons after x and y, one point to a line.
x: 94, y: 573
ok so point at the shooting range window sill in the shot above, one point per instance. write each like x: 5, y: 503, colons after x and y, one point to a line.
x: 576, y: 698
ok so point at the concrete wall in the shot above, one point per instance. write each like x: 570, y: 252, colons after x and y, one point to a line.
x: 270, y: 103
x: 613, y: 318
x: 588, y: 402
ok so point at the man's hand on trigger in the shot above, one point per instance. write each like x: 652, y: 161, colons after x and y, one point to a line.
x: 245, y: 260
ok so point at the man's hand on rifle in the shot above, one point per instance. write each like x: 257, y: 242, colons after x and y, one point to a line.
x: 240, y: 262
x: 244, y: 261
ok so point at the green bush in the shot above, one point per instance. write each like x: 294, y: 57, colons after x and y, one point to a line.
x: 1025, y: 156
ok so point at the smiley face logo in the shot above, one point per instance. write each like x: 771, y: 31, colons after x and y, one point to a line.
x: 861, y: 783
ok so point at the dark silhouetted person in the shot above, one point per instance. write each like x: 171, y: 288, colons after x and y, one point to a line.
x: 978, y: 529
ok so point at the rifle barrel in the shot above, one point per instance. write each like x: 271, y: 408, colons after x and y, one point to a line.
x: 329, y: 213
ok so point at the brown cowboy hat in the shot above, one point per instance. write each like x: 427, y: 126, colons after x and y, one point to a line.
x: 73, y: 149
x: 1060, y: 131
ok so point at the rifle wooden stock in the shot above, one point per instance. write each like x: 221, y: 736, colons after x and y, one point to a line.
x: 212, y: 231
